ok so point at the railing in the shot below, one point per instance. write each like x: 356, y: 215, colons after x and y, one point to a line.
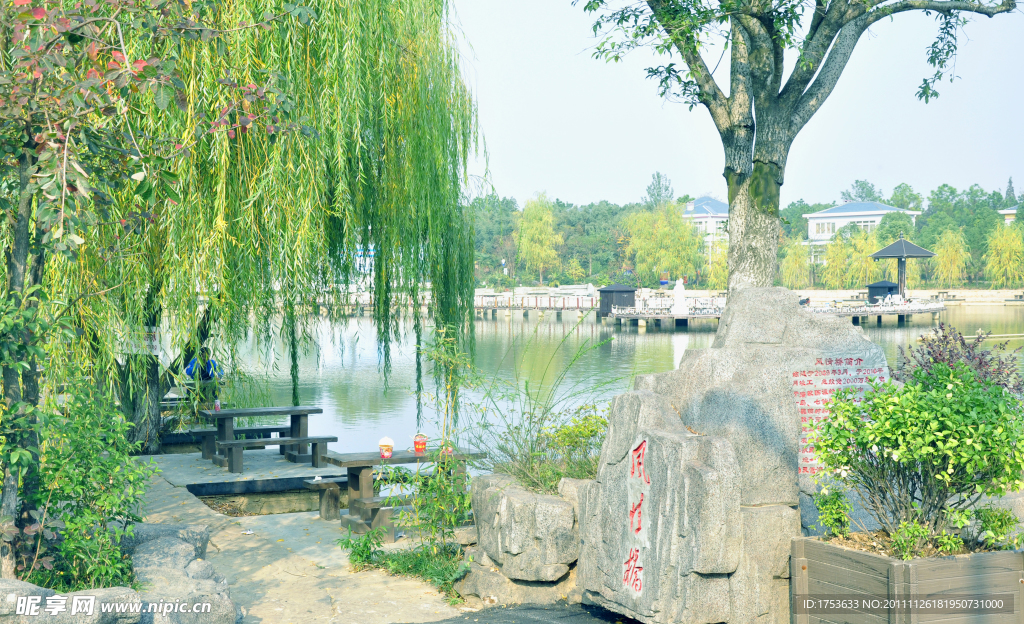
x: 534, y: 302
x: 912, y: 307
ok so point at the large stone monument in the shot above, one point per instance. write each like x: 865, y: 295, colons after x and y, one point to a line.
x: 698, y: 492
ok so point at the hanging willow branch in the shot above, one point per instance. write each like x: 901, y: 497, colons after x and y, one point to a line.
x: 361, y: 150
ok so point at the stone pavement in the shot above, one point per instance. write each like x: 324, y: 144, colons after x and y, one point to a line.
x: 290, y: 571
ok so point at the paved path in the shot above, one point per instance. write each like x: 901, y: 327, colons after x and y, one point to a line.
x: 291, y: 571
x: 555, y: 614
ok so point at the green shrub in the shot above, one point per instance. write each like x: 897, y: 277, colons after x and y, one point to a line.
x: 996, y: 528
x: 834, y: 511
x: 364, y: 550
x: 90, y: 496
x: 915, y: 451
x: 909, y: 538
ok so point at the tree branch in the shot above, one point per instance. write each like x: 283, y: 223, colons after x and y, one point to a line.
x: 940, y: 6
x: 710, y: 94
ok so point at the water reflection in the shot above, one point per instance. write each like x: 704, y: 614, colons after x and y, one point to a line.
x: 343, y: 376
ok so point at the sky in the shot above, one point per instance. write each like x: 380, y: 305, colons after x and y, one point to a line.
x: 555, y: 120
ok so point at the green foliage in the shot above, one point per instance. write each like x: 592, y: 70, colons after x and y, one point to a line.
x: 794, y: 224
x: 440, y: 500
x: 903, y: 196
x: 92, y: 486
x: 973, y: 209
x: 536, y: 237
x: 834, y: 511
x: 363, y: 550
x: 659, y: 192
x: 940, y: 441
x: 661, y: 240
x: 795, y: 267
x: 892, y: 225
x: 440, y: 567
x: 998, y: 528
x: 716, y: 276
x: 909, y: 538
x: 1004, y: 260
x: 952, y: 257
x: 1010, y: 198
x: 862, y: 191
x: 541, y: 432
x: 948, y: 543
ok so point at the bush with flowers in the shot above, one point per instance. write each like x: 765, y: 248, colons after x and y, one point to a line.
x: 923, y: 455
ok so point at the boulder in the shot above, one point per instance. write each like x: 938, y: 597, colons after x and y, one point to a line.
x: 171, y: 575
x: 494, y: 588
x: 196, y: 534
x: 533, y: 537
x: 54, y: 608
x: 705, y: 471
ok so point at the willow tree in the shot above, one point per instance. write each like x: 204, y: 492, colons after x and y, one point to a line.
x: 952, y: 257
x: 1004, y: 260
x: 795, y: 267
x: 169, y: 164
x: 764, y: 107
x: 662, y: 240
x: 536, y: 239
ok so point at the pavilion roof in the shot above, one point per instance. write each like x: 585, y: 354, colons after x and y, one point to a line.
x: 902, y: 248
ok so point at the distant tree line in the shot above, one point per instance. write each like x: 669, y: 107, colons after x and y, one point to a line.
x: 964, y: 228
x: 554, y: 242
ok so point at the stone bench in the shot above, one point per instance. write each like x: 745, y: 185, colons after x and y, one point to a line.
x: 234, y: 448
x: 330, y: 495
x: 377, y: 512
x: 209, y: 436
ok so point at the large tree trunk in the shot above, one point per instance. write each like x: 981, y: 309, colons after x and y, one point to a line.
x: 17, y: 259
x: 753, y: 225
x: 141, y: 403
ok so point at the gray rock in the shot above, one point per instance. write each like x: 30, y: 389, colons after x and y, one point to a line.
x: 196, y: 534
x: 533, y: 537
x: 569, y: 489
x: 742, y: 388
x: 164, y: 553
x: 87, y: 604
x: 494, y: 588
x: 767, y: 533
x: 200, y: 569
x: 688, y: 533
x: 720, y: 493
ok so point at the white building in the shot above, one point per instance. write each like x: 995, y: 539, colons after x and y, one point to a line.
x: 709, y: 216
x: 1009, y: 215
x: 823, y: 225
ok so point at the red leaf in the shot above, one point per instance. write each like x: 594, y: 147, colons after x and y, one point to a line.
x: 37, y: 73
x: 118, y: 56
x: 113, y: 65
x: 21, y: 2
x: 92, y: 73
x: 92, y: 51
x: 38, y: 12
x: 231, y: 134
x: 139, y: 64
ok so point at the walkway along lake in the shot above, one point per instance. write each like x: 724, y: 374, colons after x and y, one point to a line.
x: 344, y: 380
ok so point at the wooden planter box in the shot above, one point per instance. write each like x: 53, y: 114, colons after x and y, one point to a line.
x: 826, y: 570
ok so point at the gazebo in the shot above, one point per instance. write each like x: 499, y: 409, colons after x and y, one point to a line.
x: 901, y: 250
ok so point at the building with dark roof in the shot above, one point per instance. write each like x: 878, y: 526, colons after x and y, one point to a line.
x: 823, y: 225
x: 709, y: 216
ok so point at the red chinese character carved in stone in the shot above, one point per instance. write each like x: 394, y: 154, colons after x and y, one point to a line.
x: 637, y: 467
x: 635, y: 511
x: 633, y: 576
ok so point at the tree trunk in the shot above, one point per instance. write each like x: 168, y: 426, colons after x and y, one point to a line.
x: 17, y: 259
x: 141, y: 404
x: 753, y: 225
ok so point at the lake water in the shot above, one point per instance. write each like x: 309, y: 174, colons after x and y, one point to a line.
x: 343, y: 376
